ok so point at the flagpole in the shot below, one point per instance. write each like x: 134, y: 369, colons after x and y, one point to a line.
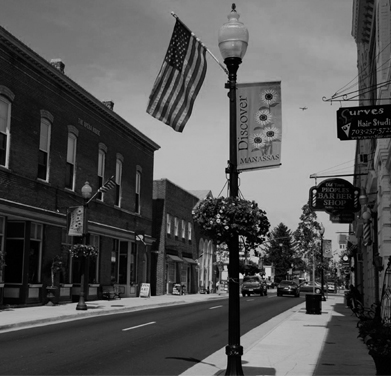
x: 207, y: 49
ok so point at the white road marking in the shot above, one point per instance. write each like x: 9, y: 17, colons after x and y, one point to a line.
x: 219, y: 306
x: 139, y: 326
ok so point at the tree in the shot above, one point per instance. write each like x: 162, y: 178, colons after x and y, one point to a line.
x: 280, y: 251
x: 249, y: 268
x: 307, y: 238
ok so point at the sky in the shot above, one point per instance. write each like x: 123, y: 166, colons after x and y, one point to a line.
x: 114, y: 49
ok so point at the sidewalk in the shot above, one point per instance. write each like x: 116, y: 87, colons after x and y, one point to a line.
x: 295, y: 343
x: 292, y: 343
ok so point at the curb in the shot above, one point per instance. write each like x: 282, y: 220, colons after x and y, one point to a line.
x: 83, y: 315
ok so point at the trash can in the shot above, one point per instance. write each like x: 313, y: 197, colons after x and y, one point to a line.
x: 313, y: 304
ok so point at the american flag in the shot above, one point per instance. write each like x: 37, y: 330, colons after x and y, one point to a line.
x: 179, y: 80
x: 110, y: 184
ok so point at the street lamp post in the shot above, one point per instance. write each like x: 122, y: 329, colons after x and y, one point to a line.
x: 322, y: 229
x: 233, y: 40
x: 86, y: 193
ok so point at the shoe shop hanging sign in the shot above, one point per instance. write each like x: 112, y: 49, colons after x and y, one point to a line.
x: 334, y: 196
x: 359, y: 123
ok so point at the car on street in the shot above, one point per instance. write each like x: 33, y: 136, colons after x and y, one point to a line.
x: 253, y: 285
x: 331, y: 287
x: 310, y: 287
x: 286, y: 287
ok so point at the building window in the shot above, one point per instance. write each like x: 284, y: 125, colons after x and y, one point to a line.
x: 94, y: 261
x: 5, y: 119
x: 189, y: 231
x: 183, y: 229
x: 66, y: 243
x: 71, y: 162
x: 176, y: 227
x: 14, y: 248
x: 168, y: 224
x: 137, y: 206
x: 35, y: 254
x: 114, y: 261
x: 101, y: 171
x: 118, y: 178
x: 44, y: 148
x: 2, y: 246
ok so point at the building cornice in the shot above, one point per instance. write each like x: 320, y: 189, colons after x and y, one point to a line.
x: 15, y: 45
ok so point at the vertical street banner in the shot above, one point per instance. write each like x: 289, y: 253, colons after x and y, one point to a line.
x: 327, y: 251
x: 75, y: 219
x: 259, y: 125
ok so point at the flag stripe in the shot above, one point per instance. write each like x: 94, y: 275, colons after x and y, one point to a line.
x: 110, y: 184
x: 179, y: 80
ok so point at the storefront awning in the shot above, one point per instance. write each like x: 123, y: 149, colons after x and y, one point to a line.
x: 189, y: 260
x: 174, y: 258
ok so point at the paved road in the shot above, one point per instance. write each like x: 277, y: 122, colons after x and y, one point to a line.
x: 164, y: 341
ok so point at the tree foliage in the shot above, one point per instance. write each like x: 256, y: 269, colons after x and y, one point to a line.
x: 248, y: 268
x: 280, y: 251
x: 307, y: 238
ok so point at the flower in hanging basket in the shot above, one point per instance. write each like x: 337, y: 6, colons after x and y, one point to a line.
x: 222, y: 218
x: 83, y: 250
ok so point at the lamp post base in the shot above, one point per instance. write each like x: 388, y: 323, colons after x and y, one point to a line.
x: 234, y: 365
x: 81, y: 305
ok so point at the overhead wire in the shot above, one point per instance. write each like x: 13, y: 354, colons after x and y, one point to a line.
x: 339, y: 93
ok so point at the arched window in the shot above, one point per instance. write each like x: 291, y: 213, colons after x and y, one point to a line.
x: 118, y: 179
x: 5, y: 125
x: 101, y: 168
x: 71, y: 162
x: 44, y: 149
x: 137, y: 201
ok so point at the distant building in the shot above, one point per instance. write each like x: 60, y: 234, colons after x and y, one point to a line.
x: 175, y: 251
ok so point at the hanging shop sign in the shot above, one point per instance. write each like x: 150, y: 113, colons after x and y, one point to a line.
x: 342, y: 217
x: 334, y: 196
x: 259, y: 125
x: 359, y: 123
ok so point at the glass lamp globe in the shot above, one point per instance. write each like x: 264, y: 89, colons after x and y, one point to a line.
x: 233, y: 37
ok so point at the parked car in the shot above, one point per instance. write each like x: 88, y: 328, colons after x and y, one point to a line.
x: 254, y: 285
x: 288, y: 288
x: 331, y: 287
x: 310, y: 287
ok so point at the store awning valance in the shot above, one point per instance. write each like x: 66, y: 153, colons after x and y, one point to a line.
x: 174, y: 258
x: 190, y: 261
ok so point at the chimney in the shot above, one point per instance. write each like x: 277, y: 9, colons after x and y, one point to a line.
x: 58, y: 64
x: 109, y: 104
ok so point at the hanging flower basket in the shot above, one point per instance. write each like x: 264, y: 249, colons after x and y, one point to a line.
x: 83, y: 250
x: 223, y: 218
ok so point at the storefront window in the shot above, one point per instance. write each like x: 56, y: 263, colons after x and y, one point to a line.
x: 114, y: 261
x: 66, y: 243
x: 14, y: 252
x: 35, y: 253
x: 2, y: 257
x: 123, y: 263
x: 94, y: 261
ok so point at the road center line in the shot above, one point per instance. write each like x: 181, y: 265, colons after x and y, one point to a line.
x: 139, y: 326
x: 219, y: 306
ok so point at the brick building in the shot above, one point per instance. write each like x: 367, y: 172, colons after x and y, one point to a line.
x: 178, y: 251
x: 55, y: 136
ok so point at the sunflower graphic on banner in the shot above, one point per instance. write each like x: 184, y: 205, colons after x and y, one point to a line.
x: 259, y: 125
